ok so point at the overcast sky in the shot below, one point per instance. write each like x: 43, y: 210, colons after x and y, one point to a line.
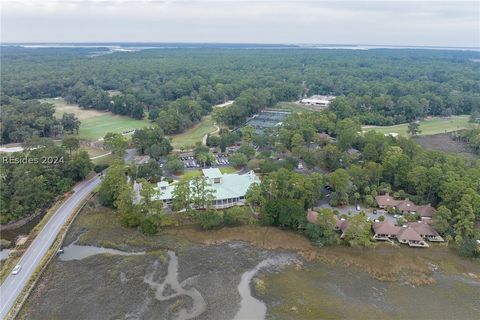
x: 435, y: 23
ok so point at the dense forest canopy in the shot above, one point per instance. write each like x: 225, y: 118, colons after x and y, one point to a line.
x: 380, y: 86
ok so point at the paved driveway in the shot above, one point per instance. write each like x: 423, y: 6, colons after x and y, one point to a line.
x: 352, y: 210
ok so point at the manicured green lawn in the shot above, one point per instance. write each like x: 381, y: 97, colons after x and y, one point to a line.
x: 428, y: 126
x: 228, y: 170
x: 95, y: 124
x: 96, y: 128
x: 108, y: 159
x: 187, y: 139
x: 190, y: 174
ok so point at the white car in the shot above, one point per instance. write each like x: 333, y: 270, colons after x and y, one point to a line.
x: 17, y: 269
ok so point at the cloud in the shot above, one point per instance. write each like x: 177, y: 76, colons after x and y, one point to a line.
x: 447, y: 23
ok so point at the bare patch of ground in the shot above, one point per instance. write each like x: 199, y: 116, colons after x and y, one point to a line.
x: 444, y: 142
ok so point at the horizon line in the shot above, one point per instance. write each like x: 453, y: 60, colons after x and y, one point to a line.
x: 226, y: 43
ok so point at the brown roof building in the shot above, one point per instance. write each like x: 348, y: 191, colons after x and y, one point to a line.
x: 384, y: 230
x: 386, y: 201
x: 408, y: 235
x: 405, y: 206
x: 412, y: 234
x: 425, y: 231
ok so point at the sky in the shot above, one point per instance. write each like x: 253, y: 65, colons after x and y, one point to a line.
x: 407, y: 22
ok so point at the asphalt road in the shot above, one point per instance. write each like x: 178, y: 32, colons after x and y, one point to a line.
x: 14, y: 284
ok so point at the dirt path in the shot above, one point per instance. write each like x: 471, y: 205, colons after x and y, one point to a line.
x: 204, y: 139
x: 100, y: 156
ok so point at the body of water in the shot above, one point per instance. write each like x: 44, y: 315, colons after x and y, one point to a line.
x: 76, y: 252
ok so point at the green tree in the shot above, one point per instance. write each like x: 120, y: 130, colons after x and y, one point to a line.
x: 71, y: 144
x: 80, y: 165
x: 150, y: 170
x: 339, y: 180
x: 248, y: 134
x: 210, y: 219
x: 174, y: 164
x: 285, y: 213
x: 116, y: 143
x: 113, y: 182
x: 297, y: 144
x: 182, y: 196
x: 347, y: 130
x: 358, y: 231
x: 442, y: 219
x: 247, y: 150
x: 70, y: 122
x: 414, y: 128
x: 236, y: 216
x: 202, y: 193
x: 129, y: 213
x: 238, y: 159
x: 254, y: 196
x: 323, y: 231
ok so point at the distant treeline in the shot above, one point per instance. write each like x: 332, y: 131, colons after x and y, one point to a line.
x: 178, y: 86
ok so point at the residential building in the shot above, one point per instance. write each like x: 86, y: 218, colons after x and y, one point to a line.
x: 426, y: 231
x: 407, y: 235
x: 414, y: 233
x: 384, y: 230
x: 426, y: 212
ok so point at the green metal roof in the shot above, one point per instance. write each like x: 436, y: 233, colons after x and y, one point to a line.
x: 230, y: 186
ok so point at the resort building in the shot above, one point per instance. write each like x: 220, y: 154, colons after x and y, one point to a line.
x: 228, y: 189
x: 426, y: 212
x: 317, y: 100
x: 414, y: 233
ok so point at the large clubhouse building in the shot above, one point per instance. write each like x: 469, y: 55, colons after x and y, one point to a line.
x: 228, y: 189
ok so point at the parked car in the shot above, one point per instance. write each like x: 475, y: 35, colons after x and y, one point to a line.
x: 17, y: 269
x: 358, y: 207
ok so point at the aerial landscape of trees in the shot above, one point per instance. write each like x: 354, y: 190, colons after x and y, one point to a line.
x: 32, y: 179
x: 175, y: 89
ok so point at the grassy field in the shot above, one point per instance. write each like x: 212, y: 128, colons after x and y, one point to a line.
x: 96, y: 128
x: 94, y: 152
x: 190, y: 174
x: 187, y: 139
x: 95, y: 124
x: 428, y: 126
x: 228, y: 170
x: 108, y: 159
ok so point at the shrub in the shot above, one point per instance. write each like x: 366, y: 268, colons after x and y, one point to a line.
x: 210, y: 219
x: 469, y: 248
x: 100, y: 167
x: 148, y: 226
x: 401, y: 221
x: 411, y: 217
x: 236, y: 216
x: 238, y: 159
x: 381, y: 218
x: 318, y: 235
x: 130, y: 219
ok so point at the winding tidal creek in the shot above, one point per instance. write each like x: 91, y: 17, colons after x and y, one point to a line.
x: 239, y: 281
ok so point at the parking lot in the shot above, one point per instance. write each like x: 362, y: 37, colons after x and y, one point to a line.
x: 220, y: 160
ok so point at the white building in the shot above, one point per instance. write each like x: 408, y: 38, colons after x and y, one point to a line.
x: 228, y: 189
x: 317, y: 101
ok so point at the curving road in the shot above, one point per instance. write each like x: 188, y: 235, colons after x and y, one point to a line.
x: 14, y: 284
